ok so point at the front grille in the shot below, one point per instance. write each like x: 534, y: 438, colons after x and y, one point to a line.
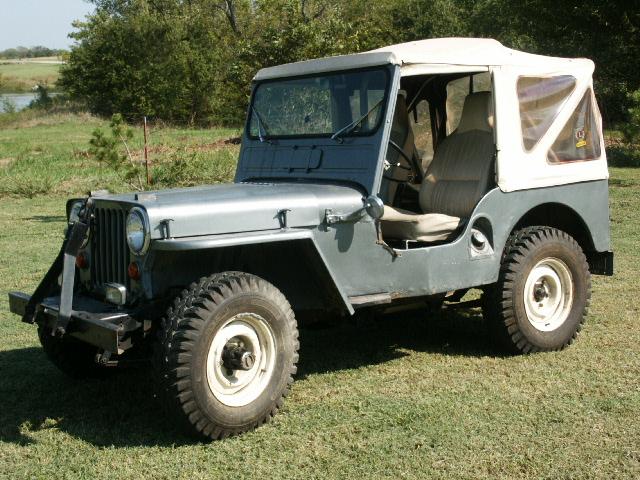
x: 109, y: 249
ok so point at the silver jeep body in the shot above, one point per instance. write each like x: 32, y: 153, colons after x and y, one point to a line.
x: 296, y: 214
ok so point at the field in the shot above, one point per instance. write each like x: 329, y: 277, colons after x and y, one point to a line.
x: 22, y: 77
x: 50, y: 155
x: 409, y: 396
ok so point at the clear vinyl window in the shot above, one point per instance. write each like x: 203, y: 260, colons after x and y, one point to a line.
x: 540, y: 100
x: 579, y: 139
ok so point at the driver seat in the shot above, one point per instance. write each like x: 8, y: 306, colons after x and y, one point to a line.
x: 455, y: 181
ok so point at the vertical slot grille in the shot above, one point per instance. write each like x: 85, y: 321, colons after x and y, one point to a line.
x: 109, y: 250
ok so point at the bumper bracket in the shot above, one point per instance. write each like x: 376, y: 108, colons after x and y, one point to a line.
x: 92, y: 322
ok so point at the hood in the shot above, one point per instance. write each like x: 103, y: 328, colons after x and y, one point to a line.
x: 240, y: 207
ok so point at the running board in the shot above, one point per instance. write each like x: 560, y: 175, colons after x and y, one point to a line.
x: 360, y: 301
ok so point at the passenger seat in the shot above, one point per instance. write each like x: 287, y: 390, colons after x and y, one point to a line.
x: 456, y: 180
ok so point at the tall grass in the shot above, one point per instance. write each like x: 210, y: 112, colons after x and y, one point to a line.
x: 48, y: 153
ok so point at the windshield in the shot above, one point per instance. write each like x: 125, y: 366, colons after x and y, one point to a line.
x: 319, y: 106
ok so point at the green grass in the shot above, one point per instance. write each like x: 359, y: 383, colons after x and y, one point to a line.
x: 22, y: 77
x: 405, y: 397
x: 44, y: 155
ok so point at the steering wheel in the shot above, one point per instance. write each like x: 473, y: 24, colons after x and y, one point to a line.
x: 412, y: 168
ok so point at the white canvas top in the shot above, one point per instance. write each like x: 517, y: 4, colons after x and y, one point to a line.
x: 471, y: 52
x: 517, y: 167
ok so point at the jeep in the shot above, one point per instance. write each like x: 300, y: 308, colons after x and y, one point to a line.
x: 399, y: 177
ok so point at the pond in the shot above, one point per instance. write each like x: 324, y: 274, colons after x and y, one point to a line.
x: 18, y: 100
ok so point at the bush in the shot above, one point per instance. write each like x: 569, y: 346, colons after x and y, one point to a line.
x: 7, y: 106
x: 43, y: 100
x: 631, y: 129
x: 621, y: 155
x: 112, y: 150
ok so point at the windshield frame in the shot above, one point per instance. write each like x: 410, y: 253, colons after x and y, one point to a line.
x: 368, y: 133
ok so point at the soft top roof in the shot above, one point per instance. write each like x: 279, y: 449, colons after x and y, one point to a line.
x: 467, y: 52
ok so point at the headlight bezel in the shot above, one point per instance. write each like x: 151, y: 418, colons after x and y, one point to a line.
x: 140, y: 248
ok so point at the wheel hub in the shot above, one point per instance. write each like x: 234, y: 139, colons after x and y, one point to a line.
x: 540, y: 292
x: 241, y: 359
x: 548, y: 294
x: 236, y: 357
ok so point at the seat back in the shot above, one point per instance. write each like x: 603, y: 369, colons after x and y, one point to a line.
x: 401, y: 135
x: 462, y: 166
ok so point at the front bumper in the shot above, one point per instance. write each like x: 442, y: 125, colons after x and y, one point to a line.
x: 92, y: 322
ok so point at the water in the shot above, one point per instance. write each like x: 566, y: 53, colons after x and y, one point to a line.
x: 19, y: 100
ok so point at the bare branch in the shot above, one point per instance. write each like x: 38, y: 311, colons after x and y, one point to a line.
x: 228, y: 7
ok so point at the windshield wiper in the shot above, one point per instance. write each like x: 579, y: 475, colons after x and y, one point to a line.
x: 349, y: 128
x: 262, y: 130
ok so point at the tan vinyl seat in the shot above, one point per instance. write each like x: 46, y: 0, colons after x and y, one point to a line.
x: 455, y: 181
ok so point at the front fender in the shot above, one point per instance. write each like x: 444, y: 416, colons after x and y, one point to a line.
x: 287, y: 239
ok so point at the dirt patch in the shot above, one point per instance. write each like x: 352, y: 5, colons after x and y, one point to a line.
x: 5, y: 162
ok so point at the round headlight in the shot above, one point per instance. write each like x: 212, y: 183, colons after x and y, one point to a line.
x: 137, y: 232
x: 74, y: 211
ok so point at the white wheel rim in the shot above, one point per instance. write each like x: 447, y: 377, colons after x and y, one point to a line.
x: 238, y: 387
x: 548, y: 294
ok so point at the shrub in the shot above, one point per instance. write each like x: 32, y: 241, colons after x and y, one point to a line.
x: 631, y: 129
x: 43, y: 100
x: 112, y: 150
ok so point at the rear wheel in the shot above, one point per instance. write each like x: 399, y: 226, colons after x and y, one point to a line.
x: 541, y: 298
x: 227, y: 354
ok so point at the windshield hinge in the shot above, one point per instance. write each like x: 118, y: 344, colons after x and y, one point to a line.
x: 332, y: 218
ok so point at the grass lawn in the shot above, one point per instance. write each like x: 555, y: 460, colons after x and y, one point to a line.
x: 21, y: 77
x: 406, y: 397
x: 50, y: 155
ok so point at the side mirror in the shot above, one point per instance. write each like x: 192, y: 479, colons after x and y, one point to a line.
x: 374, y: 207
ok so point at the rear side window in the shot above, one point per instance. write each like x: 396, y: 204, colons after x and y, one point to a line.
x: 579, y: 139
x: 540, y: 100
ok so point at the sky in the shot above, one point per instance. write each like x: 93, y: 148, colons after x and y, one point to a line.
x: 29, y: 23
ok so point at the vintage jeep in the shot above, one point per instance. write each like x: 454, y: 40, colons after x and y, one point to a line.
x: 393, y: 178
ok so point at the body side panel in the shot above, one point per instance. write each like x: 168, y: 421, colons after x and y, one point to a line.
x: 362, y: 267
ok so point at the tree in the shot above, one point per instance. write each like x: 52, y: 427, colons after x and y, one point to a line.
x: 193, y: 60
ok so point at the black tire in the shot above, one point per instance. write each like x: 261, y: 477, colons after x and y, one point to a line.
x: 187, y: 334
x: 74, y: 358
x: 504, y: 302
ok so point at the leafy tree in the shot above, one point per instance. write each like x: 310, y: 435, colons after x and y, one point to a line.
x: 192, y: 61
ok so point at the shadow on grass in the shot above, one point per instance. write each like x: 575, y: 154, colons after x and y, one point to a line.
x: 122, y: 410
x: 355, y: 343
x: 46, y: 218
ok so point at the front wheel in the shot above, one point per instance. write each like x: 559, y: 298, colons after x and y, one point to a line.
x: 227, y: 354
x: 543, y: 291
